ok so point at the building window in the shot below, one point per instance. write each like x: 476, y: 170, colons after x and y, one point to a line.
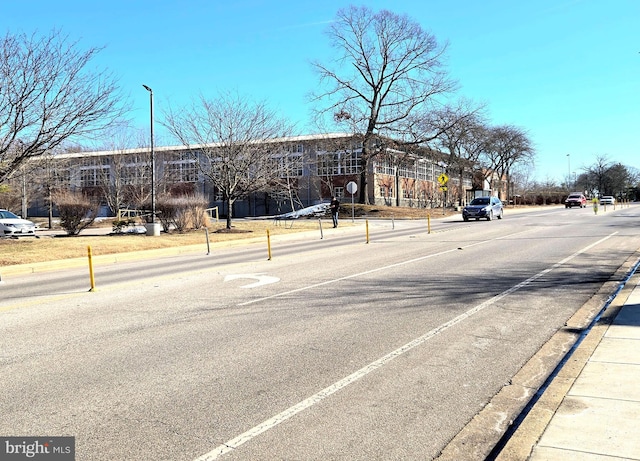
x: 135, y: 174
x: 328, y: 164
x: 338, y: 163
x: 94, y: 175
x: 385, y: 166
x: 181, y: 171
x: 386, y: 191
x: 407, y: 169
x: 288, y: 165
x: 424, y: 170
x: 62, y: 177
x: 351, y: 162
x: 338, y: 192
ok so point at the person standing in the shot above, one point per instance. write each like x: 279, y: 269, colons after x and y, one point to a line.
x: 334, y: 207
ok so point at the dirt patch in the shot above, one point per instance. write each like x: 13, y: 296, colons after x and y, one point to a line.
x: 233, y: 230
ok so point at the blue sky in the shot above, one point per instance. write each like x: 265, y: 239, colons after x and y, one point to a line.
x: 567, y: 71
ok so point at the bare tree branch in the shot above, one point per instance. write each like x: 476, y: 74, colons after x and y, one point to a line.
x: 388, y: 67
x: 235, y: 140
x: 507, y: 146
x: 49, y: 97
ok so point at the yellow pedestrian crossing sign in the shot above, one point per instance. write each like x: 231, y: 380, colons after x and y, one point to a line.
x: 443, y: 178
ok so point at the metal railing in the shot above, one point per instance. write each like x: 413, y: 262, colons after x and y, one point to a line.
x: 213, y: 211
x: 126, y: 213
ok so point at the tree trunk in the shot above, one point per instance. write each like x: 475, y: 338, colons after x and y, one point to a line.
x: 397, y: 186
x: 364, y: 196
x: 229, y: 212
x: 364, y: 163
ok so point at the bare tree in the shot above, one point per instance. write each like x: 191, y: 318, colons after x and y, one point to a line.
x: 388, y: 67
x: 522, y: 184
x: 507, y: 146
x: 35, y: 180
x: 234, y: 139
x: 607, y: 178
x: 288, y: 166
x: 463, y: 136
x: 16, y: 193
x: 49, y: 97
x: 125, y: 182
x: 10, y: 196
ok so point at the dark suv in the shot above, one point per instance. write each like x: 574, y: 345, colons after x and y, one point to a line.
x: 483, y: 207
x: 575, y: 199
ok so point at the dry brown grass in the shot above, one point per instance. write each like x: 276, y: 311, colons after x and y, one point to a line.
x: 52, y: 247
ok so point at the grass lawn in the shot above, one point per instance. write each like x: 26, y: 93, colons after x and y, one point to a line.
x: 49, y: 247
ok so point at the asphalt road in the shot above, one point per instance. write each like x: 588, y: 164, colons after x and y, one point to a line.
x: 333, y: 349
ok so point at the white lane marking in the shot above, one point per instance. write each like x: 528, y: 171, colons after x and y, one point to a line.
x: 359, y: 274
x: 261, y: 279
x: 344, y: 382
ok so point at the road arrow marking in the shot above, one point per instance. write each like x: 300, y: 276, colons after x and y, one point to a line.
x: 261, y: 279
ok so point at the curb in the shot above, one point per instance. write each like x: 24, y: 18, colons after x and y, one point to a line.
x: 481, y: 437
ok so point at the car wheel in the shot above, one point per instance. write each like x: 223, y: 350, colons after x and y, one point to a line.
x: 500, y: 214
x: 490, y: 216
x: 465, y: 219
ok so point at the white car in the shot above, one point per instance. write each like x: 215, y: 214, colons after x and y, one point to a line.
x: 607, y: 200
x: 14, y: 226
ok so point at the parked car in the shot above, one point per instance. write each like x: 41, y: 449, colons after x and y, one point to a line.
x: 14, y: 226
x: 607, y: 200
x: 575, y: 199
x: 483, y: 207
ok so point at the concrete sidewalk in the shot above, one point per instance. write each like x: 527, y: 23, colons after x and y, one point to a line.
x: 593, y: 414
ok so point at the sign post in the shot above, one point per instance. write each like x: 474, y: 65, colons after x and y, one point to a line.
x: 352, y: 188
x: 443, y: 179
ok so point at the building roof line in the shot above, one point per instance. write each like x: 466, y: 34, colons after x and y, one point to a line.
x: 145, y: 150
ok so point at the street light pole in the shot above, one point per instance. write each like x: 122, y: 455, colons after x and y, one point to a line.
x: 153, y: 160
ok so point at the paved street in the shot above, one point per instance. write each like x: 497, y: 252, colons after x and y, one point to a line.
x: 334, y: 349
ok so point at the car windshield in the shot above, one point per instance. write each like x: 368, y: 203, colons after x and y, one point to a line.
x: 4, y: 214
x: 574, y: 196
x: 480, y: 201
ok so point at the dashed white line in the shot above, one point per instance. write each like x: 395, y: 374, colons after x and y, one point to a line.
x: 326, y: 392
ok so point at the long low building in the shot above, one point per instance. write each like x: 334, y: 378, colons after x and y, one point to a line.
x: 312, y: 169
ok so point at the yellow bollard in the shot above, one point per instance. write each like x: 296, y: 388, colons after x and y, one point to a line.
x: 269, y: 244
x: 367, y: 226
x: 93, y: 282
